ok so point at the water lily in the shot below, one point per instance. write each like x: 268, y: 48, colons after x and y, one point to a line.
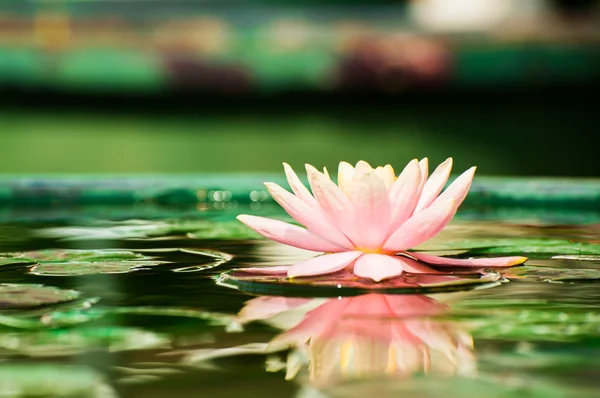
x: 368, y: 221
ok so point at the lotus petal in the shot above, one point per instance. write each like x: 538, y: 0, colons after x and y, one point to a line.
x: 404, y: 194
x: 470, y: 262
x: 378, y: 266
x: 434, y: 185
x: 289, y: 234
x: 345, y: 175
x: 298, y: 187
x: 325, y: 264
x: 387, y: 175
x: 371, y: 208
x: 459, y: 189
x: 308, y: 216
x: 424, y: 166
x: 421, y: 226
x: 332, y: 202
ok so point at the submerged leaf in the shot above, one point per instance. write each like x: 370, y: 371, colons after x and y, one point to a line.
x: 65, y: 381
x: 13, y: 296
x: 57, y: 342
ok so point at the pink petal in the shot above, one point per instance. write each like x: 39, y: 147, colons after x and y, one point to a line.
x: 308, y: 216
x: 333, y: 202
x: 387, y: 175
x: 471, y: 262
x: 459, y: 189
x: 434, y: 185
x: 288, y: 234
x: 404, y: 195
x: 424, y: 166
x: 298, y: 187
x: 415, y: 267
x: 421, y: 226
x: 345, y: 175
x: 325, y: 264
x: 378, y: 266
x: 371, y: 208
x: 268, y: 306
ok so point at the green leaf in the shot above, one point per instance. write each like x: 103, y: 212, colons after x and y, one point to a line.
x: 24, y: 296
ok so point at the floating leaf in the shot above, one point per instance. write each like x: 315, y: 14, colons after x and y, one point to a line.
x: 561, y: 271
x: 543, y: 325
x: 64, y: 381
x: 541, y: 247
x: 57, y: 342
x: 90, y: 268
x: 196, y: 229
x: 223, y: 230
x: 65, y: 255
x: 578, y: 258
x: 13, y: 296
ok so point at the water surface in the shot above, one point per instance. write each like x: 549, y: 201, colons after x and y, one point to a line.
x: 92, y: 307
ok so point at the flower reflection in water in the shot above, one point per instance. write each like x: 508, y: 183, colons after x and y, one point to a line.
x: 364, y: 337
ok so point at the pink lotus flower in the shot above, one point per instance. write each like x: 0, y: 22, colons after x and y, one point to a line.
x: 369, y: 221
x: 367, y: 336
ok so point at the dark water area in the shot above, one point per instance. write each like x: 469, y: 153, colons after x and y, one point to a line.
x: 132, y: 308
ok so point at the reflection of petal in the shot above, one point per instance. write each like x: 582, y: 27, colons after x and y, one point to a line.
x: 267, y: 306
x: 367, y: 336
x: 325, y: 264
x: 471, y: 262
x: 376, y: 335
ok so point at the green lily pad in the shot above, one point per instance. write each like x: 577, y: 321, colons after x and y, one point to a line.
x: 90, y: 268
x: 58, y: 342
x: 516, y: 245
x: 578, y: 257
x: 64, y: 262
x: 196, y: 229
x: 52, y: 380
x: 538, y: 247
x: 550, y: 274
x: 65, y: 255
x: 22, y: 296
x: 223, y: 230
x: 548, y: 325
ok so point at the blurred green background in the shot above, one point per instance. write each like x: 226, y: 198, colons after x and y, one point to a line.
x: 240, y: 86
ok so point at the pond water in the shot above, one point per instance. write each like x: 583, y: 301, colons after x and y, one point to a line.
x: 96, y: 304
